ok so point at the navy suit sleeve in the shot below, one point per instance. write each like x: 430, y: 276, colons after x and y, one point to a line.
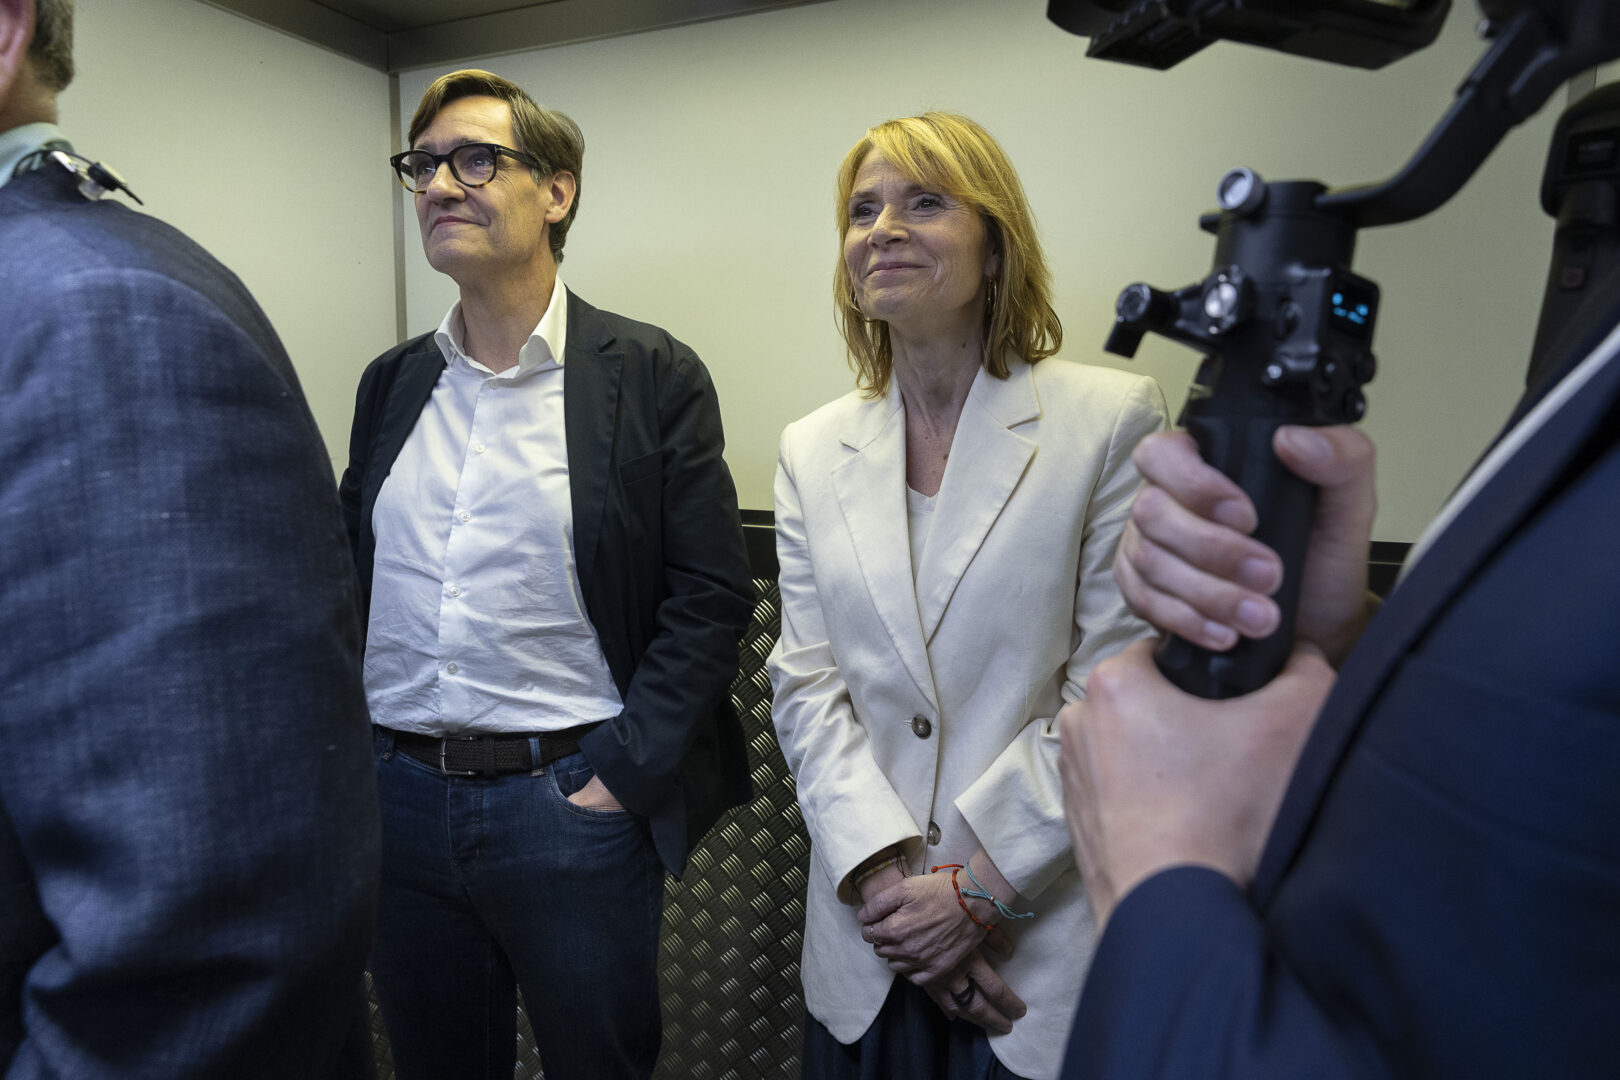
x: 1184, y: 987
x: 686, y: 670
x: 187, y: 779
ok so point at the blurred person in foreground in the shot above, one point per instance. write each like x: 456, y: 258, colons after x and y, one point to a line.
x: 1400, y: 857
x: 946, y: 535
x: 188, y: 822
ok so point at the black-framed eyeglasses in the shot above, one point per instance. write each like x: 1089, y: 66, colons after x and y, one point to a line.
x: 472, y: 164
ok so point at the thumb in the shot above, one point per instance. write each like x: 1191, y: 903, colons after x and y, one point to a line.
x: 1326, y: 456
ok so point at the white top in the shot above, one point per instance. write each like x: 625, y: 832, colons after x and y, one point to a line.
x: 919, y: 515
x: 478, y: 622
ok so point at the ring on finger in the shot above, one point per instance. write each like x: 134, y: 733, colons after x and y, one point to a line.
x: 963, y: 997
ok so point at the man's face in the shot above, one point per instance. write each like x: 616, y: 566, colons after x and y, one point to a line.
x: 478, y: 233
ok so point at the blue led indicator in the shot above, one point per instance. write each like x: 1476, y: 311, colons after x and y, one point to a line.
x: 1361, y: 309
x: 1338, y: 298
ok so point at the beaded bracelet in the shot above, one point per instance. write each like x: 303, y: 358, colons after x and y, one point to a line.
x: 957, y: 868
x: 875, y: 869
x: 984, y: 894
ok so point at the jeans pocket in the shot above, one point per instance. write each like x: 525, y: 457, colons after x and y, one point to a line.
x: 569, y: 775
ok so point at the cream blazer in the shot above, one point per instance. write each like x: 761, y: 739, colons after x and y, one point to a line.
x: 922, y: 714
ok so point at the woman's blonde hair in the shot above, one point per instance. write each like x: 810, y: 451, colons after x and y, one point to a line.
x: 956, y: 155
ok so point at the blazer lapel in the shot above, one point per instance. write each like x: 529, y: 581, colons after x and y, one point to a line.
x: 987, y: 461
x: 871, y: 490
x: 591, y: 372
x: 418, y: 373
x: 1495, y: 512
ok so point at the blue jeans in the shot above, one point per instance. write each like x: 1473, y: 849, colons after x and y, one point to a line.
x: 489, y: 884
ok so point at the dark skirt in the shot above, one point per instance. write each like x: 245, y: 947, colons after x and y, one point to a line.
x: 910, y: 1040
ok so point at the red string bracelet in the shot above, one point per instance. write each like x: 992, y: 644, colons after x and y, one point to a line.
x: 957, y: 868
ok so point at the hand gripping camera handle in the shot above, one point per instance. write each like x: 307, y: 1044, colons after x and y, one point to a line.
x: 1241, y: 448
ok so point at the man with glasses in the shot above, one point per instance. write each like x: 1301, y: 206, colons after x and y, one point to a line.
x: 555, y: 582
x: 188, y: 823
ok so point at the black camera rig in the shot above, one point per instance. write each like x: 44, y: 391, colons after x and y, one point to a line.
x: 1284, y: 324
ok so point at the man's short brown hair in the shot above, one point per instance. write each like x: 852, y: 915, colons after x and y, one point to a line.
x: 52, y: 47
x: 547, y: 135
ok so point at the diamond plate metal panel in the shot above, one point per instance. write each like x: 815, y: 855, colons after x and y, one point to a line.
x: 728, y: 961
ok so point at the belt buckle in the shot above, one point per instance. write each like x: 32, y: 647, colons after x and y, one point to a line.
x: 445, y: 742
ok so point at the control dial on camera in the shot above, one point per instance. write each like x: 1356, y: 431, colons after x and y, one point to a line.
x: 1241, y: 192
x: 1140, y: 308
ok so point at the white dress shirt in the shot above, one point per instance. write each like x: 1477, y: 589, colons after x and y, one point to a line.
x: 478, y: 622
x: 18, y: 142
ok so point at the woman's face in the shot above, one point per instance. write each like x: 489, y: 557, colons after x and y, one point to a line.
x: 918, y: 257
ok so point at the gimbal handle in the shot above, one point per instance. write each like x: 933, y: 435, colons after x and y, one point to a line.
x: 1286, y: 327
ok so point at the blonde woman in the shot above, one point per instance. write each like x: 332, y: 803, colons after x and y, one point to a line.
x: 945, y: 533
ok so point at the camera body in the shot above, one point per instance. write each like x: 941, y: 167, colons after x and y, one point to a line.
x: 1286, y: 331
x: 1161, y: 33
x: 1283, y: 322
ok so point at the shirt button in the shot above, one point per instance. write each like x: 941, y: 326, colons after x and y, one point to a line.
x: 464, y: 516
x: 478, y: 448
x: 933, y: 834
x: 452, y: 667
x: 921, y: 727
x: 455, y: 590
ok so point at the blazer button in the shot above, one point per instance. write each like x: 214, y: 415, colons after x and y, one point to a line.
x: 921, y: 727
x: 933, y: 834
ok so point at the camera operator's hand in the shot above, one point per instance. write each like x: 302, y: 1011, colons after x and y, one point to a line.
x: 1155, y: 778
x: 1187, y: 564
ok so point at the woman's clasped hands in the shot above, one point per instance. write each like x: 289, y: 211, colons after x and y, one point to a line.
x: 926, y: 933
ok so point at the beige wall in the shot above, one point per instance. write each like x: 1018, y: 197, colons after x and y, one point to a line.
x: 269, y: 152
x: 707, y: 194
x: 708, y: 188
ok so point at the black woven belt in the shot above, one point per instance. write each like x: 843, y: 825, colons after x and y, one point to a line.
x: 488, y: 755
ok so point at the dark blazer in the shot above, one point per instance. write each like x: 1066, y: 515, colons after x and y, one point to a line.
x: 658, y: 545
x: 1440, y: 896
x: 188, y: 820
